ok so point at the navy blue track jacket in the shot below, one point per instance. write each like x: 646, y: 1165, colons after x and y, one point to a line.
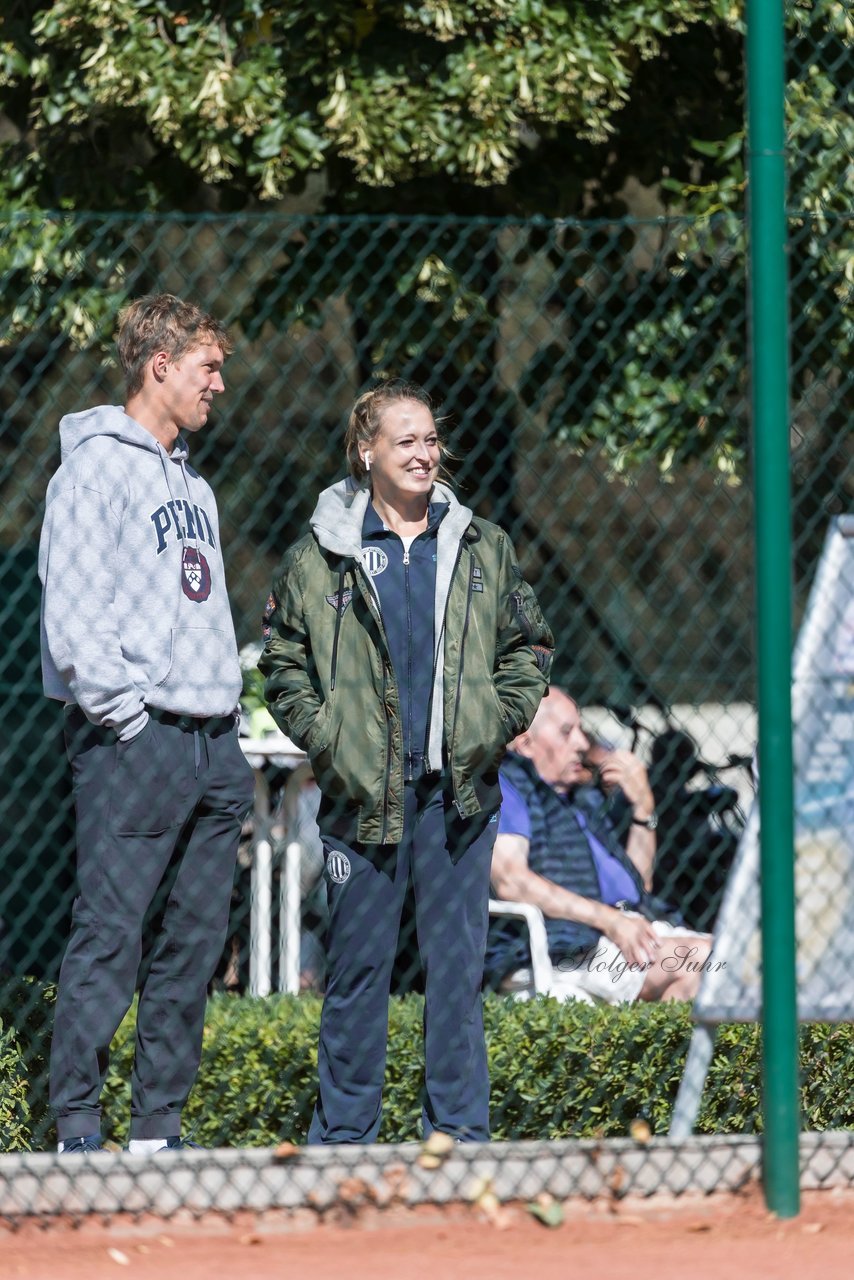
x: 406, y: 585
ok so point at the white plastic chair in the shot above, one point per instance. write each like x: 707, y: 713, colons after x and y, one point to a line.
x: 541, y: 975
x: 538, y: 945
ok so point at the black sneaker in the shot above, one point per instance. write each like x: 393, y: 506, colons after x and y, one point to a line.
x: 179, y: 1144
x: 82, y: 1146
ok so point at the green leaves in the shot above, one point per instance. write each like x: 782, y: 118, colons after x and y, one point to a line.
x: 257, y: 96
x: 15, y: 1117
x: 557, y: 1070
x: 479, y: 107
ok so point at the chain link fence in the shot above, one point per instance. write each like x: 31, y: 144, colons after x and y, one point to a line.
x: 593, y: 380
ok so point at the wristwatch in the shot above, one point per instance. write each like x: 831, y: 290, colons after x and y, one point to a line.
x: 650, y: 823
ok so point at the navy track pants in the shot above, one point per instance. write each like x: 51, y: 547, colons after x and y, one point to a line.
x: 448, y: 860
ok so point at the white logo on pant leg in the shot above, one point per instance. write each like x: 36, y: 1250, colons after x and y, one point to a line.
x: 338, y: 867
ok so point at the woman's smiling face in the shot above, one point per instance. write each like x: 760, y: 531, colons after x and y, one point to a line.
x: 404, y: 455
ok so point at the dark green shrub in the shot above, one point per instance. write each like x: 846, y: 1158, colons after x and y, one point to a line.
x: 557, y: 1070
x: 573, y: 1070
x: 257, y: 1079
x: 26, y: 1009
x: 15, y: 1119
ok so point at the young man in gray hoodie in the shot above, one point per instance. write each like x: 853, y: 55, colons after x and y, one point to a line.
x: 138, y: 642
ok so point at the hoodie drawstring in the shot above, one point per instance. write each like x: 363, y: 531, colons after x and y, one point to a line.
x: 164, y: 462
x: 338, y: 612
x: 195, y: 534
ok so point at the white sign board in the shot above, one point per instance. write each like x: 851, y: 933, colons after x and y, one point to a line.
x: 823, y: 715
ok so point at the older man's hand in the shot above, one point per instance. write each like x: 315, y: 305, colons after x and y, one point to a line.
x: 635, y: 937
x: 623, y: 769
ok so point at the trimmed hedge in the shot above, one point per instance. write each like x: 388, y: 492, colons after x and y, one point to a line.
x: 15, y: 1118
x: 26, y: 1018
x: 557, y: 1070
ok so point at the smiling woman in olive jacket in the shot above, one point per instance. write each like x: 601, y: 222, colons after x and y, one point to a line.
x: 403, y: 652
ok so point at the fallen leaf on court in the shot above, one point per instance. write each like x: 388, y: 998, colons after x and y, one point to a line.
x: 117, y: 1256
x: 286, y: 1151
x: 167, y: 1241
x: 640, y: 1130
x: 396, y: 1176
x: 435, y: 1150
x: 353, y: 1190
x: 437, y: 1144
x: 699, y: 1226
x: 478, y: 1187
x: 496, y: 1214
x: 812, y: 1228
x: 426, y: 1161
x: 481, y: 1193
x: 251, y: 1237
x: 546, y: 1210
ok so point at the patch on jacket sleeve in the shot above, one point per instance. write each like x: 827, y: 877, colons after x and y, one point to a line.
x: 267, y: 616
x: 522, y: 619
x: 543, y: 657
x: 346, y: 597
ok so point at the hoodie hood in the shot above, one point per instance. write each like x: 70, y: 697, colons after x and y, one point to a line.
x: 109, y: 420
x: 337, y: 519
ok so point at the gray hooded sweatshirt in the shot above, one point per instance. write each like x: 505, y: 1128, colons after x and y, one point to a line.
x: 134, y: 605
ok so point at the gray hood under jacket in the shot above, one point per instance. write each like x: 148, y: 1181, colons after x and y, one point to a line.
x: 134, y: 605
x: 337, y: 524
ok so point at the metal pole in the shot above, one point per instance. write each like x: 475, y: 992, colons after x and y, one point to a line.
x: 289, y: 919
x: 768, y: 306
x: 261, y: 893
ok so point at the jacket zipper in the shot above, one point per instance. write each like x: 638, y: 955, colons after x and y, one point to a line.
x: 458, y: 694
x: 387, y: 777
x: 407, y: 744
x: 338, y: 612
x: 374, y: 608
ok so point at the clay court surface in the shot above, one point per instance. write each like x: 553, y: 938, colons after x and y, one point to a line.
x: 716, y: 1238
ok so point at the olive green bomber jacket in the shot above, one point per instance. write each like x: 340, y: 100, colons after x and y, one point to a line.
x: 329, y: 680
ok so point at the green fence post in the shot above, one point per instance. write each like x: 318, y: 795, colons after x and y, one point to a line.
x: 768, y: 312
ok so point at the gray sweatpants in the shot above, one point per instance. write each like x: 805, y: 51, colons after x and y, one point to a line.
x: 160, y: 813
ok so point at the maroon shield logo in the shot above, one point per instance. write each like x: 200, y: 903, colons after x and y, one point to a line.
x: 195, y: 574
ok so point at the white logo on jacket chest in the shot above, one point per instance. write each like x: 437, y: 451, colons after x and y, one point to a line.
x: 375, y: 560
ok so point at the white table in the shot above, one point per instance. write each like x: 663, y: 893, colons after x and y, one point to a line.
x: 259, y: 751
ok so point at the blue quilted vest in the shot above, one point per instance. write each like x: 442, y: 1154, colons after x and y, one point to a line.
x: 559, y: 851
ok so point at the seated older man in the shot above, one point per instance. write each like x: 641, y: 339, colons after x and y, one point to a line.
x: 558, y: 849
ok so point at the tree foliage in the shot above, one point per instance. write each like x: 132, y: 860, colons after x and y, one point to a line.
x: 560, y: 108
x: 147, y: 103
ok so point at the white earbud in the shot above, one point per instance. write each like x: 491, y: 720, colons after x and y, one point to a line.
x: 367, y: 461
